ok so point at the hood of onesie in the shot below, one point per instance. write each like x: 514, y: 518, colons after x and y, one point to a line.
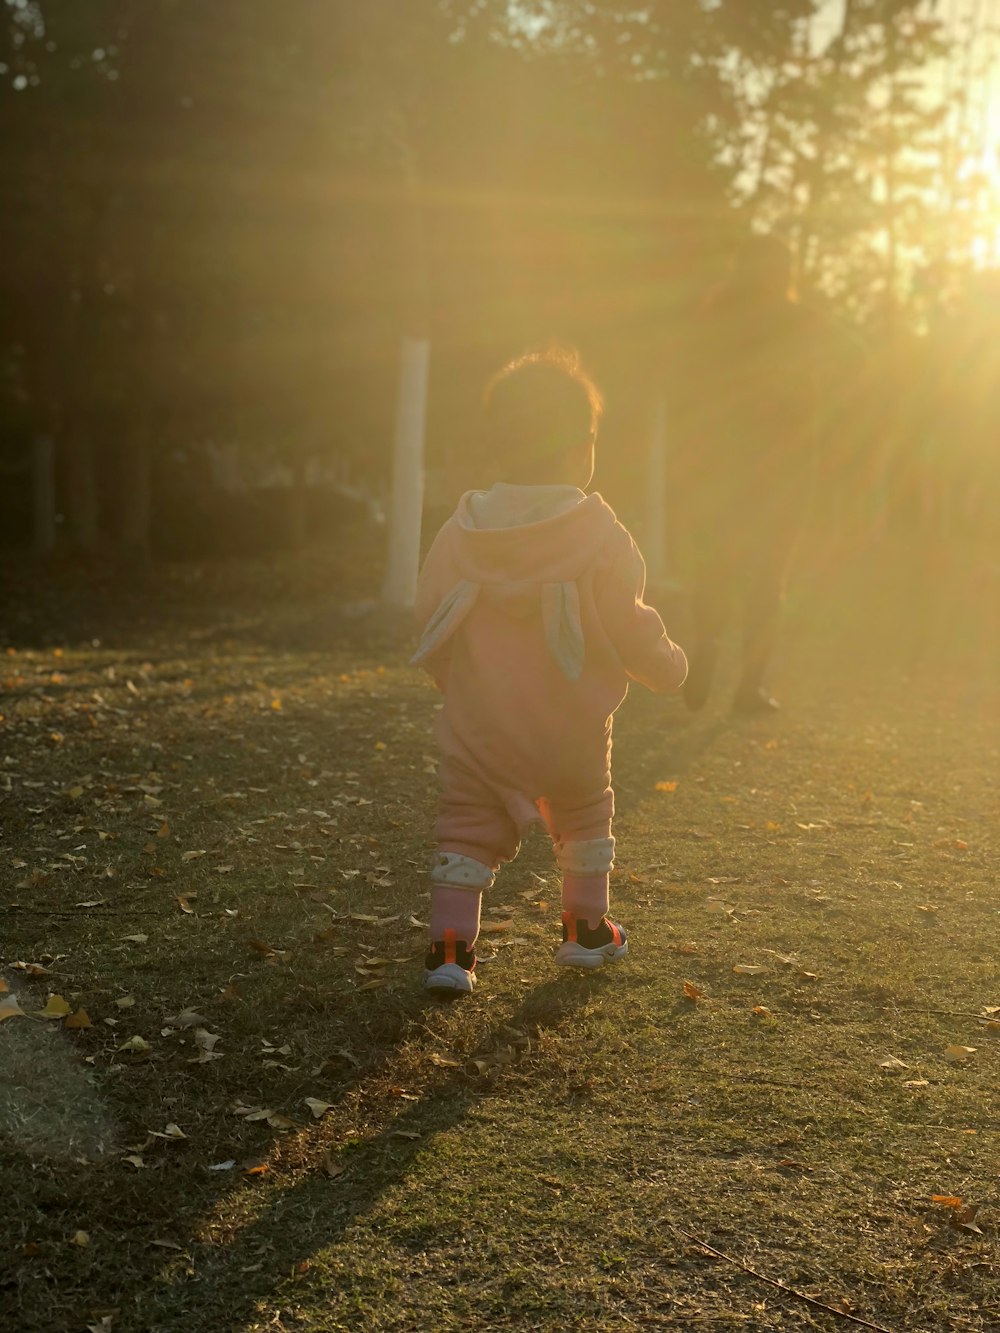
x: 510, y: 564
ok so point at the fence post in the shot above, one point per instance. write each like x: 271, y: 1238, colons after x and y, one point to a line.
x: 399, y: 586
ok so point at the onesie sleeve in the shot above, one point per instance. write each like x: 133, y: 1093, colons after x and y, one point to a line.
x: 647, y: 653
x: 437, y: 577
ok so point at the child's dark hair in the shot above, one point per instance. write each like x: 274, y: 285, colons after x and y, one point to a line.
x: 539, y: 408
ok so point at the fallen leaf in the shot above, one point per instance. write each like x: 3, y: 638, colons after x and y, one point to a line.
x: 172, y: 1131
x: 31, y: 969
x: 94, y: 902
x: 892, y: 1063
x: 762, y: 1011
x: 11, y: 1009
x: 405, y: 1134
x: 75, y: 1022
x: 192, y: 856
x: 947, y: 1200
x: 333, y: 1169
x: 223, y: 1166
x: 134, y: 1159
x: 136, y: 939
x: 956, y: 1054
x: 134, y: 1044
x: 184, y: 901
x: 4, y: 988
x: 164, y: 830
x: 317, y: 1107
x: 444, y: 1061
x: 496, y: 927
x: 693, y: 992
x: 151, y: 801
x: 748, y: 969
x: 927, y: 908
x: 56, y: 1007
x: 254, y: 1168
x: 205, y: 1040
x: 717, y: 907
x: 125, y: 1002
x: 685, y: 948
x: 771, y: 826
x: 187, y: 1018
x: 916, y: 1083
x: 666, y: 786
x: 80, y: 1238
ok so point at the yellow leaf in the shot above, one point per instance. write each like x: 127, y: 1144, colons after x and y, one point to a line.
x: 4, y: 988
x: 666, y: 786
x: 81, y: 1019
x: 892, y: 1063
x: 956, y: 1054
x: 80, y: 1238
x: 57, y: 1007
x: 496, y: 927
x: 947, y: 1200
x: 151, y: 801
x: 276, y: 704
x: 693, y: 992
x: 164, y: 830
x: 772, y: 827
x: 916, y: 1083
x: 134, y: 1044
x: 762, y: 1011
x: 11, y: 1009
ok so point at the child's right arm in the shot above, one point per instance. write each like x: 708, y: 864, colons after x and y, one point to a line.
x: 648, y: 654
x: 435, y: 582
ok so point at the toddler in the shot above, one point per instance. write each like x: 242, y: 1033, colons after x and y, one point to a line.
x: 532, y: 620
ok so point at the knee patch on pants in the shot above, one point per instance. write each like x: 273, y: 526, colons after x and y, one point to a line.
x: 460, y: 872
x: 594, y: 856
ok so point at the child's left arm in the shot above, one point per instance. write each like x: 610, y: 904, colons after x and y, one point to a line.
x: 648, y: 654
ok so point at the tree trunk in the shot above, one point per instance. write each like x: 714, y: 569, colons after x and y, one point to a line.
x: 44, y: 494
x: 135, y: 496
x: 82, y: 493
x: 298, y: 497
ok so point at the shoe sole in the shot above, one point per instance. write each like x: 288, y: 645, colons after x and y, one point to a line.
x: 450, y: 979
x: 572, y: 954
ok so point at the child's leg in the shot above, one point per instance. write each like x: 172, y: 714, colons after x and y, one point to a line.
x: 474, y: 834
x: 457, y: 884
x: 585, y: 853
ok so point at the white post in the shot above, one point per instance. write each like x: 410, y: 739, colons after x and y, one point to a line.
x: 399, y: 586
x: 655, y: 545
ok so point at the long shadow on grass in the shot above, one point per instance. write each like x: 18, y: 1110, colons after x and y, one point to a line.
x: 316, y: 1213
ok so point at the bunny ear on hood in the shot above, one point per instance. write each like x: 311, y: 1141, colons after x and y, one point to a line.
x: 447, y: 618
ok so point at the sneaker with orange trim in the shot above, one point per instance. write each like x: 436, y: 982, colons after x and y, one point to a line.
x: 450, y: 967
x: 589, y: 948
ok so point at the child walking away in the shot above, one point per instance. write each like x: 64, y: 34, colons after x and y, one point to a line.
x: 532, y: 620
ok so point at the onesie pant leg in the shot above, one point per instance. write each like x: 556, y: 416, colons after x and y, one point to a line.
x: 584, y: 848
x: 474, y: 834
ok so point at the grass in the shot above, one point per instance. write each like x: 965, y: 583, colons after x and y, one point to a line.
x: 241, y: 783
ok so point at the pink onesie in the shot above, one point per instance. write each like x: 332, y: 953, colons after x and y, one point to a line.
x: 532, y: 630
